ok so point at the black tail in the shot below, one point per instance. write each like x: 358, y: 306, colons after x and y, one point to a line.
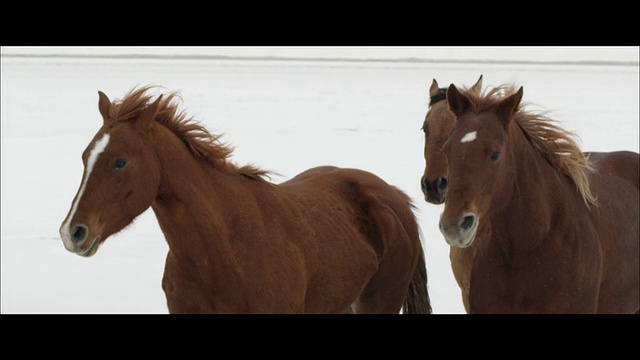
x: 417, y: 300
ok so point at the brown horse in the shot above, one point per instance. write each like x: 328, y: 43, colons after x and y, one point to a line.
x: 547, y: 228
x: 329, y: 240
x: 437, y: 126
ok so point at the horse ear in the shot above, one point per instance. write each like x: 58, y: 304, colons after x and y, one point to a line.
x: 433, y: 90
x: 507, y: 107
x: 477, y: 87
x: 145, y: 119
x: 104, y: 105
x: 458, y: 103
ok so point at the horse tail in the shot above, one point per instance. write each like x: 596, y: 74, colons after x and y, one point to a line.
x: 417, y: 300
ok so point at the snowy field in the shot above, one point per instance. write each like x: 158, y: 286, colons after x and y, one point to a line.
x: 279, y: 115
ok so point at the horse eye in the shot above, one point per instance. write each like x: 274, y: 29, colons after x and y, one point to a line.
x: 119, y: 163
x: 495, y: 156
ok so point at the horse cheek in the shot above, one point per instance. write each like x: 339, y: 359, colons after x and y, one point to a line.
x: 146, y: 191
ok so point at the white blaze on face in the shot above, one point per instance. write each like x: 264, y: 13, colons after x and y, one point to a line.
x: 468, y: 137
x: 98, y: 147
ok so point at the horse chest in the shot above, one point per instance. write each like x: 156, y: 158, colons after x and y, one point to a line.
x: 543, y: 280
x: 198, y: 287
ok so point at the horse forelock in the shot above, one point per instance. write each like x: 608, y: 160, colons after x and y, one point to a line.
x: 488, y: 97
x: 557, y: 146
x: 194, y: 135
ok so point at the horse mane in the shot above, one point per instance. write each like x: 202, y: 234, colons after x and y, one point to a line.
x: 194, y: 135
x: 556, y: 145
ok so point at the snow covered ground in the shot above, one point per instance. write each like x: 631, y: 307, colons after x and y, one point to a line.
x: 283, y: 116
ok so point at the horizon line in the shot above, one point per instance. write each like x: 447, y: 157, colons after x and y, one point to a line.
x: 410, y: 60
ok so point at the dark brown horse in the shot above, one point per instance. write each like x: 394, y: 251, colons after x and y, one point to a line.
x: 437, y: 126
x: 546, y: 228
x: 329, y: 240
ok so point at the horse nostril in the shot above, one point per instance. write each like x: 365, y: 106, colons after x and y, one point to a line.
x: 79, y: 233
x: 441, y: 184
x: 467, y: 222
x: 423, y: 184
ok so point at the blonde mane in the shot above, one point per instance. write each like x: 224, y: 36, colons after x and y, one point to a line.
x: 556, y: 145
x: 195, y: 136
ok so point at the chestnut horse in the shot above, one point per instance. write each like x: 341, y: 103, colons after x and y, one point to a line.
x: 436, y: 127
x: 547, y: 228
x: 329, y: 240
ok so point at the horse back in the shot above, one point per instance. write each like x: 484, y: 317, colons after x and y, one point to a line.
x: 366, y: 193
x: 623, y: 164
x: 615, y: 182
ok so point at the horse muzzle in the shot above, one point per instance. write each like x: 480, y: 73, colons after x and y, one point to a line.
x: 434, y: 191
x: 461, y: 232
x: 79, y: 240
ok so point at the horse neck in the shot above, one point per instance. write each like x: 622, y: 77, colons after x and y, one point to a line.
x: 535, y: 201
x: 195, y: 201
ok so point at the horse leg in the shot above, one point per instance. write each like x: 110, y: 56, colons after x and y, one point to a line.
x: 387, y: 289
x: 381, y: 296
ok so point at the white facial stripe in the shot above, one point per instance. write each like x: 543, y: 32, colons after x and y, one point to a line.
x: 98, y: 148
x: 469, y: 137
